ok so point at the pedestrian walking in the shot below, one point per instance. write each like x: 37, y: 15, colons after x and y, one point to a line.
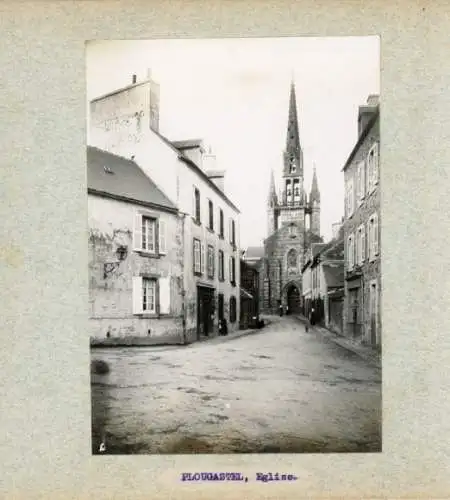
x: 312, y: 317
x: 280, y: 307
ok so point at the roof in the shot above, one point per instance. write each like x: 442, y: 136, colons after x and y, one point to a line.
x: 361, y: 138
x: 334, y: 275
x: 196, y: 168
x: 119, y: 177
x: 188, y: 144
x: 336, y: 250
x: 254, y: 253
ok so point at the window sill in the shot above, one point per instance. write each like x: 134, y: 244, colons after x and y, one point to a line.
x: 210, y: 277
x: 145, y: 253
x: 221, y: 237
x: 196, y: 221
x: 210, y: 230
x: 233, y: 283
x: 221, y: 280
x: 147, y: 315
x: 198, y: 274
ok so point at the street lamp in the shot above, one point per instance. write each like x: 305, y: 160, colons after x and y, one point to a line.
x: 109, y: 267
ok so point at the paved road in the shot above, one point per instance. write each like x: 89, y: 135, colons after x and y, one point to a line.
x: 279, y: 390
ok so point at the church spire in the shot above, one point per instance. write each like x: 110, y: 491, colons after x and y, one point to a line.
x: 315, y: 194
x: 292, y: 135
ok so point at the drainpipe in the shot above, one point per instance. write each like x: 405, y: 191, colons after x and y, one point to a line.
x: 183, y: 289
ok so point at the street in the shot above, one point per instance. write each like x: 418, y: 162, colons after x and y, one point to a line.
x: 281, y: 389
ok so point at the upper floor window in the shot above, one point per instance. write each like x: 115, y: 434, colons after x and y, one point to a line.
x: 373, y: 237
x: 296, y: 189
x: 232, y: 232
x: 373, y: 167
x: 221, y: 224
x: 232, y: 270
x: 360, y: 245
x: 350, y: 252
x: 197, y: 256
x: 292, y: 165
x: 211, y: 215
x: 196, y: 208
x: 349, y: 197
x: 221, y: 266
x: 361, y: 181
x: 149, y: 235
x: 210, y: 261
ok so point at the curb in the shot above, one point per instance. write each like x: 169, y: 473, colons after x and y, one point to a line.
x: 345, y: 344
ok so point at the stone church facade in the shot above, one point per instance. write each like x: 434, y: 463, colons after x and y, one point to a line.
x: 293, y: 220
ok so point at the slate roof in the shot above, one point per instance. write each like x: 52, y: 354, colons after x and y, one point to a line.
x: 188, y: 144
x: 119, y: 177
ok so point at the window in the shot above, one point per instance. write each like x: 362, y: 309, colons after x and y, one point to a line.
x: 197, y: 256
x: 296, y: 190
x: 196, y: 208
x: 232, y: 232
x: 362, y: 181
x: 372, y: 166
x: 350, y: 252
x: 210, y: 261
x: 233, y: 312
x: 360, y: 245
x: 232, y: 270
x: 149, y: 234
x: 292, y: 258
x: 373, y: 237
x: 221, y: 266
x: 151, y: 295
x: 288, y: 190
x: 211, y: 215
x: 202, y: 259
x: 350, y: 197
x: 221, y: 229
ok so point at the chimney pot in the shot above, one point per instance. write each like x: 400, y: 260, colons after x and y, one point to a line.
x: 134, y: 78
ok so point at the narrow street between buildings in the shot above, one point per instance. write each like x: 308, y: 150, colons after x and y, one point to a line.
x: 281, y: 389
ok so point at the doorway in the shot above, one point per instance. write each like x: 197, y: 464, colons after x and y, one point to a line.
x: 205, y: 311
x: 293, y: 299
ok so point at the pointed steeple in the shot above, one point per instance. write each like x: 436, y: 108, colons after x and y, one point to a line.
x: 293, y: 154
x: 315, y: 193
x: 292, y: 134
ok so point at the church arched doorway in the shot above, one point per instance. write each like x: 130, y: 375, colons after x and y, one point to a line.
x: 293, y: 299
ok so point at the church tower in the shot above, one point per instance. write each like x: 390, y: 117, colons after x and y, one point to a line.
x: 314, y: 205
x: 293, y: 199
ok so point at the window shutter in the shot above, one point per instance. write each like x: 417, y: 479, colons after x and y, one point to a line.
x: 194, y: 205
x: 202, y: 258
x: 162, y: 236
x: 231, y: 269
x: 164, y: 295
x: 229, y: 231
x: 137, y: 232
x: 137, y: 295
x: 375, y: 235
x: 363, y: 244
x: 363, y: 179
x: 358, y: 182
x: 375, y: 163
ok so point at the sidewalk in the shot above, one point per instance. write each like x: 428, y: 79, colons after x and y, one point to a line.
x: 365, y: 352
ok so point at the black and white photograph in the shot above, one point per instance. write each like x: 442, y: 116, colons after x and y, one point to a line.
x: 234, y: 245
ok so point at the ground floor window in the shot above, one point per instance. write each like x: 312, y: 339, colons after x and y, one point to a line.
x: 233, y: 312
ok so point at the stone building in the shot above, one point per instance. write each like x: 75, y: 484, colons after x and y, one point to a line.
x: 249, y: 295
x: 135, y: 254
x: 126, y: 123
x: 362, y: 317
x: 293, y: 220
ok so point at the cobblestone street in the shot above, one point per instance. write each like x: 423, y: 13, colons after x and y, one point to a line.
x: 281, y: 389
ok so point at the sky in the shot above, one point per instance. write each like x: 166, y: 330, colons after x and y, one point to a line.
x: 234, y: 94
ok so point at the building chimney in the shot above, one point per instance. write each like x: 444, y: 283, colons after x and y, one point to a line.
x: 335, y: 229
x: 209, y: 167
x: 366, y: 111
x: 134, y: 79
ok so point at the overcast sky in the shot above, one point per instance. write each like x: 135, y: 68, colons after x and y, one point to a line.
x: 234, y: 94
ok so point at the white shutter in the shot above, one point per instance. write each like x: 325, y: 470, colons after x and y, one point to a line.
x: 375, y: 163
x: 137, y: 232
x: 363, y: 244
x: 202, y: 258
x: 363, y: 179
x: 164, y: 295
x: 375, y: 235
x: 162, y: 236
x: 137, y: 295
